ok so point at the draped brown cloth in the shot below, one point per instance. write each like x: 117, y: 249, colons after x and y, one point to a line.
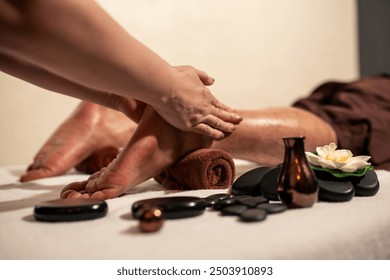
x: 201, y: 169
x: 359, y: 112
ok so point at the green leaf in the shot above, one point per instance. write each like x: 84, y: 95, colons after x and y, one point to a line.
x: 341, y: 174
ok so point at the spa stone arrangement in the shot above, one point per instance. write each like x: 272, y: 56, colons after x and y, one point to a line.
x: 269, y: 190
x: 151, y: 212
x: 302, y: 179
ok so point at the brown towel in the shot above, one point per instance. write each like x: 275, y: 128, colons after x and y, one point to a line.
x: 359, y: 112
x: 201, y: 169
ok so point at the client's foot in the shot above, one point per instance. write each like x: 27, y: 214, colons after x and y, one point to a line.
x: 90, y: 128
x: 154, y: 146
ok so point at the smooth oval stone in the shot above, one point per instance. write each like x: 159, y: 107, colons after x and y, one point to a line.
x: 249, y: 182
x: 218, y: 205
x: 242, y: 197
x: 174, y: 207
x: 335, y: 190
x: 234, y: 210
x: 367, y: 185
x: 76, y: 209
x: 253, y: 215
x: 268, y: 185
x: 211, y: 199
x: 272, y: 208
x: 254, y: 201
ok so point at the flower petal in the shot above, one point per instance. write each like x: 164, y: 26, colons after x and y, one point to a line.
x: 322, y: 152
x: 331, y: 158
x: 365, y: 158
x: 312, y: 158
x: 349, y: 168
x: 354, y: 165
x: 330, y: 164
x: 342, y: 155
x: 332, y: 146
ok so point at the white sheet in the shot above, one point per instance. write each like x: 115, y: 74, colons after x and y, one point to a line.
x: 358, y: 229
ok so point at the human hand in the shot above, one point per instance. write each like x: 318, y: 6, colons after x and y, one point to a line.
x: 192, y: 107
x: 89, y: 129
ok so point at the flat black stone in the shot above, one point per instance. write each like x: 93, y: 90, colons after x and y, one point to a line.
x: 65, y: 210
x: 249, y: 182
x: 335, y: 190
x: 367, y: 185
x: 218, y: 205
x: 254, y: 201
x: 272, y: 208
x: 210, y: 200
x: 268, y: 185
x: 234, y: 210
x: 242, y: 197
x: 174, y: 207
x: 253, y: 215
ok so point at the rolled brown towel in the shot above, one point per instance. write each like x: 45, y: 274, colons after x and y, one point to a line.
x: 201, y: 169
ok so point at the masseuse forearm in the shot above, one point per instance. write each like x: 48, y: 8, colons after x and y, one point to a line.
x: 47, y: 80
x: 77, y: 40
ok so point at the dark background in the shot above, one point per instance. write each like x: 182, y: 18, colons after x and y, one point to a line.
x: 374, y: 36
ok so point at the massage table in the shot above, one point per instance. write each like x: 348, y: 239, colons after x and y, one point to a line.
x: 357, y: 229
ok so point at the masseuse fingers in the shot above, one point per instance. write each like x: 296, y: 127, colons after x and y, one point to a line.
x: 207, y: 130
x: 203, y: 76
x: 226, y: 110
x: 225, y: 116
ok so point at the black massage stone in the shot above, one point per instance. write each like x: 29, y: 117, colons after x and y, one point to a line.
x: 368, y: 185
x: 335, y: 190
x: 249, y: 182
x: 172, y: 207
x: 218, y: 205
x: 239, y: 198
x: 210, y: 200
x: 268, y: 185
x: 65, y: 210
x: 234, y: 210
x: 272, y: 208
x: 253, y: 215
x: 254, y: 201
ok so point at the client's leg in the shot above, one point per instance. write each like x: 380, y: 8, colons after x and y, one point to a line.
x: 156, y: 145
x: 90, y: 128
x: 259, y: 136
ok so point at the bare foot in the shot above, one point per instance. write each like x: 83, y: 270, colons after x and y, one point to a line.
x: 154, y: 146
x: 90, y: 128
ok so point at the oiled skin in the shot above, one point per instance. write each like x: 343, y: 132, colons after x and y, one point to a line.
x: 155, y: 145
x: 79, y: 43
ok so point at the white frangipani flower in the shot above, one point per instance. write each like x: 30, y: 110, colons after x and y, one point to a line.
x: 330, y: 158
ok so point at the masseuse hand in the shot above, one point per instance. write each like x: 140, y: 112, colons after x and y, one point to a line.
x: 94, y: 51
x: 90, y: 128
x: 191, y: 107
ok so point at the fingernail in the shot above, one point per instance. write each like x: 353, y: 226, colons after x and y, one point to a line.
x: 221, y: 135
